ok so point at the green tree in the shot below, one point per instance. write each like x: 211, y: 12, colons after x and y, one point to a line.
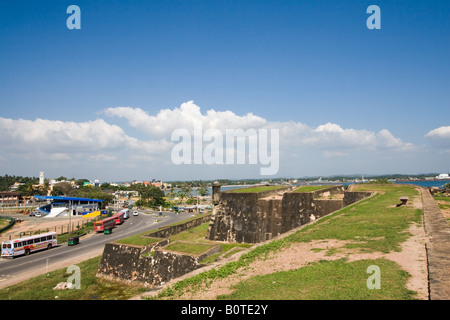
x: 154, y: 195
x: 105, y: 186
x: 150, y: 195
x: 26, y: 189
x: 63, y: 189
x: 203, y: 191
x: 171, y: 194
x: 181, y: 194
x: 80, y: 182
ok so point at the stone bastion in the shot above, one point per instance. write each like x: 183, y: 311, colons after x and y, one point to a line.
x: 253, y: 217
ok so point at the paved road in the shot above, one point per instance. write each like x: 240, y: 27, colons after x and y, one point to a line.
x: 24, y: 267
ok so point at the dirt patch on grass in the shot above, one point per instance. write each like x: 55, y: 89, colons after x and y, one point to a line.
x: 445, y: 208
x: 296, y: 256
x: 411, y: 258
x: 33, y: 224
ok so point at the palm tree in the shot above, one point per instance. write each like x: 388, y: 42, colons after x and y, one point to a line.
x: 27, y: 189
x: 203, y: 191
x: 181, y: 194
x: 188, y: 190
x: 171, y: 193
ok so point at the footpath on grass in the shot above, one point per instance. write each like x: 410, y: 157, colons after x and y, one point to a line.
x: 438, y: 248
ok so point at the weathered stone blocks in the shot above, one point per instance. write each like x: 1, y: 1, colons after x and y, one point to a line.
x: 256, y: 217
x: 151, y: 265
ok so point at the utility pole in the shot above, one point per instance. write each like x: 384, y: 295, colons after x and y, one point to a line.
x: 70, y: 216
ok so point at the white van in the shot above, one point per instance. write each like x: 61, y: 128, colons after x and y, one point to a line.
x: 126, y: 213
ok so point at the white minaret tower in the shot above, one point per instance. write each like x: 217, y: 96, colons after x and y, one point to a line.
x: 41, y: 178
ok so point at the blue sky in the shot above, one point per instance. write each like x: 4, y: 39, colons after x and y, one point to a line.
x: 346, y: 99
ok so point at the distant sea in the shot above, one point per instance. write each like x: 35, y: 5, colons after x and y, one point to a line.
x: 422, y: 183
x: 426, y: 183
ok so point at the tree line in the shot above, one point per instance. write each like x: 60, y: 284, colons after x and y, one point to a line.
x: 7, y: 181
x: 149, y: 195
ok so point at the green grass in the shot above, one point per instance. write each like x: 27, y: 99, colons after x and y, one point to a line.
x: 195, y: 282
x: 198, y: 234
x: 442, y: 198
x: 327, y: 280
x: 139, y: 240
x: 92, y: 288
x: 183, y: 221
x: 189, y: 247
x: 87, y: 228
x: 254, y: 189
x: 195, y: 234
x: 144, y: 241
x: 374, y: 224
x: 444, y: 206
x: 3, y: 223
x: 310, y: 188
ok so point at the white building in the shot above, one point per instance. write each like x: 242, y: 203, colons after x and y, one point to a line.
x: 443, y: 176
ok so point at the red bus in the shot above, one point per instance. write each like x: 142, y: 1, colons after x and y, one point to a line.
x: 119, y: 217
x: 105, y: 224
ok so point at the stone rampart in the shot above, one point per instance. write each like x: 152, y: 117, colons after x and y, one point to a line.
x: 355, y: 196
x: 172, y: 230
x: 152, y: 264
x: 127, y: 263
x: 437, y: 230
x: 244, y: 216
x: 256, y: 217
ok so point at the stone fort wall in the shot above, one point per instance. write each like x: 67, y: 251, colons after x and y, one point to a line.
x: 237, y: 217
x: 256, y: 217
x: 128, y: 263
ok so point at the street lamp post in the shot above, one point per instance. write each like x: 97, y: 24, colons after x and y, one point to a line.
x: 70, y: 216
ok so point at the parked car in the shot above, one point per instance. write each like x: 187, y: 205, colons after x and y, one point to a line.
x: 135, y: 213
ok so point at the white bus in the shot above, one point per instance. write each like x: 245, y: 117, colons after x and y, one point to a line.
x: 126, y: 213
x: 16, y: 247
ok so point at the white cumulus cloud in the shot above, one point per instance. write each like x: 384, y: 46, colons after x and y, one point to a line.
x: 292, y: 134
x: 439, y: 137
x: 106, y: 146
x: 62, y: 140
x: 186, y: 116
